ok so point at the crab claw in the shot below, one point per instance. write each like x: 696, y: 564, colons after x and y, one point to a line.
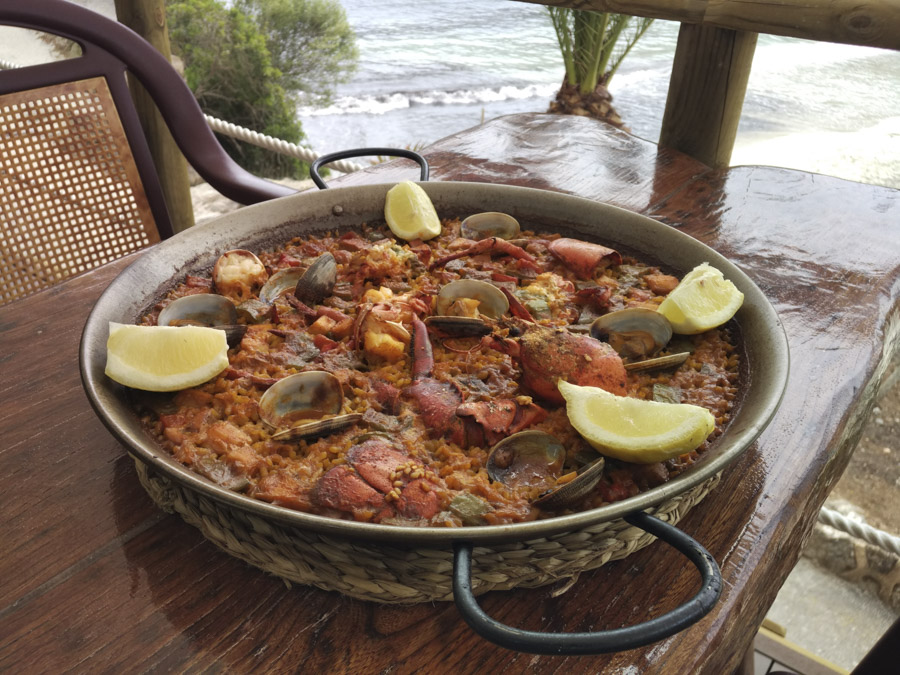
x: 437, y: 400
x: 548, y: 354
x: 492, y: 246
x: 583, y: 257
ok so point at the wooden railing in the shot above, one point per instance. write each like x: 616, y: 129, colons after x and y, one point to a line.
x: 715, y: 51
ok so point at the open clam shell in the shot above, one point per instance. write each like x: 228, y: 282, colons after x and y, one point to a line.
x: 204, y: 309
x: 452, y: 299
x: 528, y: 458
x: 304, y: 397
x: 576, y: 489
x: 458, y: 326
x: 283, y: 280
x: 658, y: 362
x: 634, y: 332
x: 490, y: 224
x: 319, y: 428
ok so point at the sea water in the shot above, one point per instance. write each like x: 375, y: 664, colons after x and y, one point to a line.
x: 430, y: 68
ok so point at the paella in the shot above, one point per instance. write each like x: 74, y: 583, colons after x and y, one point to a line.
x: 416, y: 382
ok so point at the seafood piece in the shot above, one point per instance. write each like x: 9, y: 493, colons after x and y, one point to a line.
x: 658, y: 363
x: 458, y: 326
x: 238, y: 274
x: 318, y: 281
x: 490, y: 224
x: 535, y: 459
x: 323, y: 427
x: 282, y: 281
x: 304, y: 405
x: 443, y: 410
x: 634, y: 332
x: 471, y: 298
x: 461, y: 304
x: 582, y: 257
x: 548, y: 296
x: 204, y: 309
x: 491, y: 246
x: 379, y: 481
x: 200, y: 309
x: 547, y: 354
x: 570, y: 493
x: 529, y: 458
x: 255, y: 311
x: 379, y: 329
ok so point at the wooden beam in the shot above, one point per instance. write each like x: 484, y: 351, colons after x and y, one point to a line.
x: 875, y: 23
x: 706, y: 92
x: 148, y: 19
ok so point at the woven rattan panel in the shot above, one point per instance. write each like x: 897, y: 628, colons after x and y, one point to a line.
x: 70, y: 195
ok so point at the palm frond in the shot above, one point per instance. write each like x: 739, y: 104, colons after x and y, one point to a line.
x: 594, y: 44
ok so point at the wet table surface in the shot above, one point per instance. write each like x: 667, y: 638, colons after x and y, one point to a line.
x: 94, y: 577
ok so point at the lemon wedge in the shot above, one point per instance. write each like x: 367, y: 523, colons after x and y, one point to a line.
x: 410, y: 214
x: 702, y: 300
x: 164, y: 358
x: 632, y: 429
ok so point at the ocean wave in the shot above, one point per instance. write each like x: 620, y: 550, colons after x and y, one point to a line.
x: 380, y: 104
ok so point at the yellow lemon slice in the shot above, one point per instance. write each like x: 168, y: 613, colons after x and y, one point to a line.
x: 702, y: 300
x: 164, y: 358
x: 634, y: 430
x: 410, y: 214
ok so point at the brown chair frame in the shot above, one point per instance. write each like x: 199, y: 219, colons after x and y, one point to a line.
x: 110, y: 50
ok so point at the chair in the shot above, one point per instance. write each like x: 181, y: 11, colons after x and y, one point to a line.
x: 78, y: 186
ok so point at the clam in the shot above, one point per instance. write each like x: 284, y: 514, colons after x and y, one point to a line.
x: 283, y: 280
x: 201, y: 309
x: 635, y: 332
x: 305, y: 404
x: 576, y: 489
x: 318, y: 281
x: 458, y: 326
x: 535, y: 459
x: 239, y: 272
x: 528, y: 458
x: 659, y: 362
x: 472, y: 298
x: 204, y: 309
x: 319, y: 428
x: 490, y: 224
x: 461, y: 304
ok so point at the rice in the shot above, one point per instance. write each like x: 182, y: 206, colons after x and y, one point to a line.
x: 435, y: 475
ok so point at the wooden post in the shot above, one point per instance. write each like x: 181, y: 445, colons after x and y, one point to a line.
x: 706, y: 92
x: 148, y: 19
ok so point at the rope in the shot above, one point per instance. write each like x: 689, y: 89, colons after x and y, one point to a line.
x: 274, y: 144
x: 860, y: 530
x: 267, y: 142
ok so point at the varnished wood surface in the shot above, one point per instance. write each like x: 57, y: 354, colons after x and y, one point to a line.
x: 94, y: 579
x: 874, y: 24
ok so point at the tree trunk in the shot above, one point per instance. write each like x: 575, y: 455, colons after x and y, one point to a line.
x: 596, y: 104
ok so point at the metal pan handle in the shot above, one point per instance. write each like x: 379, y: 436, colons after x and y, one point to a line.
x: 365, y: 152
x: 602, y: 642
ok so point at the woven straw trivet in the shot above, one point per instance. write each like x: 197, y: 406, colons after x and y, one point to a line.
x: 391, y: 573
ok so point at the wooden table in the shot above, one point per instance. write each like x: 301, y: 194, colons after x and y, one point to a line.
x: 94, y: 578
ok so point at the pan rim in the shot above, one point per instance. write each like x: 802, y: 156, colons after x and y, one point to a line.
x: 757, y: 318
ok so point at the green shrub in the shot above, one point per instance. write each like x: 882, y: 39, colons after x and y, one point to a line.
x: 230, y: 67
